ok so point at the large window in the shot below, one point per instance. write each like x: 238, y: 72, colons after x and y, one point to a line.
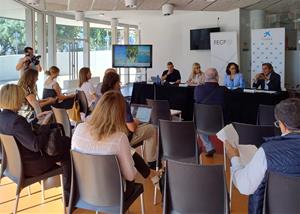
x: 12, y: 39
x: 100, y: 49
x: 69, y: 43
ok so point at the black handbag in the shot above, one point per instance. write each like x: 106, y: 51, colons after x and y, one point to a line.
x: 57, y: 141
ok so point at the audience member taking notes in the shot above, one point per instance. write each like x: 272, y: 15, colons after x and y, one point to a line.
x: 267, y: 79
x: 171, y: 75
x: 87, y: 87
x: 280, y: 154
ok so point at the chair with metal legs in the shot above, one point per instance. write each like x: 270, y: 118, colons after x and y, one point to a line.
x: 13, y: 169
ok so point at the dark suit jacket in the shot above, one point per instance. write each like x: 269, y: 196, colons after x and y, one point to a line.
x: 202, y: 92
x: 28, y: 142
x: 274, y: 83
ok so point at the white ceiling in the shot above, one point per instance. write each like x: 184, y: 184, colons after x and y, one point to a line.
x: 272, y: 6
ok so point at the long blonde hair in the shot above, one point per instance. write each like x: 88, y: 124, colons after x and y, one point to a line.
x: 195, y: 65
x: 11, y: 97
x: 108, y: 116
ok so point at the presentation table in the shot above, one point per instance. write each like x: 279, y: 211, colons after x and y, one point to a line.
x: 240, y: 106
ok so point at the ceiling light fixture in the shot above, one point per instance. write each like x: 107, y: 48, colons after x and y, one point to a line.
x: 79, y: 15
x: 130, y: 3
x: 33, y: 3
x: 167, y: 9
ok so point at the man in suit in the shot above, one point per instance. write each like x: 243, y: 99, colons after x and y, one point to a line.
x: 211, y: 93
x: 268, y: 79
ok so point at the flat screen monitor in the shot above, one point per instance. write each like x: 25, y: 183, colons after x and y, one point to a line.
x: 132, y: 56
x: 200, y: 38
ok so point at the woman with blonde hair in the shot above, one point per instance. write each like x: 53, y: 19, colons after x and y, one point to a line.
x: 52, y: 89
x: 197, y: 77
x: 86, y: 86
x: 32, y: 103
x: 105, y: 134
x: 30, y: 143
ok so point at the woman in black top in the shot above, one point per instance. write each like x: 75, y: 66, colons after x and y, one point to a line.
x: 30, y: 144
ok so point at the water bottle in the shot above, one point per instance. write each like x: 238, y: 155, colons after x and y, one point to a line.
x: 157, y: 80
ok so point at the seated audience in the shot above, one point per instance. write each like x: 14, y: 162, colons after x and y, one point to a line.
x: 87, y: 87
x: 105, y: 134
x: 171, y: 75
x: 137, y: 131
x: 52, y: 89
x: 32, y: 104
x: 197, y: 77
x: 280, y: 154
x: 233, y: 78
x: 267, y: 79
x: 30, y: 143
x: 210, y: 94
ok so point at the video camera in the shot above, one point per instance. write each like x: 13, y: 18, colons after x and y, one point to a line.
x: 34, y: 59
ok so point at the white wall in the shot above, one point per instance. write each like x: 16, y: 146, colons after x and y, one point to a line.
x: 170, y: 37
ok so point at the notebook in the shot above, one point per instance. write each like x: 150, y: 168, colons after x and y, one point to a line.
x: 141, y: 112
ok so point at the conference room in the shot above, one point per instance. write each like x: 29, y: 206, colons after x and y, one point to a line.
x: 150, y: 106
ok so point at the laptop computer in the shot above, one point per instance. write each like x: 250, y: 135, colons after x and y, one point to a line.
x: 155, y: 79
x: 141, y: 112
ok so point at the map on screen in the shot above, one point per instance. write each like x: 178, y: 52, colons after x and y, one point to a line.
x: 132, y: 56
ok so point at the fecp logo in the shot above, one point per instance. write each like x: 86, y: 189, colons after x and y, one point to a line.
x: 267, y: 35
x: 223, y: 42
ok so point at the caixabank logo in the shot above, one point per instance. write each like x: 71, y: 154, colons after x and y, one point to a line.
x: 267, y: 35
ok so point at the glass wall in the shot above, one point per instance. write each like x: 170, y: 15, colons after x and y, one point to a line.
x: 100, y: 49
x: 12, y: 39
x: 69, y: 44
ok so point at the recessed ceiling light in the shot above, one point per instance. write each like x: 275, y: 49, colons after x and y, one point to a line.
x: 34, y: 3
x: 131, y: 3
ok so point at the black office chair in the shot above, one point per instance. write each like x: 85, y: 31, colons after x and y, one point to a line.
x: 251, y: 135
x: 102, y: 190
x: 160, y: 111
x: 178, y: 141
x: 209, y: 120
x: 13, y: 169
x: 265, y: 115
x: 61, y: 117
x: 191, y: 188
x: 282, y: 194
x: 83, y: 103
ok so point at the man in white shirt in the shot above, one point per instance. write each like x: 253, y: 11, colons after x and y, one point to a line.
x: 26, y: 61
x: 279, y: 154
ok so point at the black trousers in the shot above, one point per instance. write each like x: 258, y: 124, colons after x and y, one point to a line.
x: 140, y: 165
x: 46, y: 163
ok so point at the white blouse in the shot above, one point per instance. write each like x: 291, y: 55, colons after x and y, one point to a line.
x: 198, y: 79
x: 89, y: 90
x: 116, y: 144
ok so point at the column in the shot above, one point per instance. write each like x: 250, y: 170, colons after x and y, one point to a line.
x: 52, y: 59
x: 29, y: 27
x: 86, y: 44
x: 41, y: 39
x: 257, y: 19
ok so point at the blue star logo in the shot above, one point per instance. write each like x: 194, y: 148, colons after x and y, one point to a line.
x: 267, y: 34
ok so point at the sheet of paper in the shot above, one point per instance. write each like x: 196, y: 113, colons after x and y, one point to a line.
x: 229, y: 133
x: 246, y: 153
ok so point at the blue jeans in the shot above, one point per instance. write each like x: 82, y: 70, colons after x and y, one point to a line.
x: 206, y: 142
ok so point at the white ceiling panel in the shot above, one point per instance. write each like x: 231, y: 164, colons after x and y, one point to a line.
x: 80, y: 5
x: 197, y: 5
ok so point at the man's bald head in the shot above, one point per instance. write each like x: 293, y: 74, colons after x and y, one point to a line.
x: 211, y: 75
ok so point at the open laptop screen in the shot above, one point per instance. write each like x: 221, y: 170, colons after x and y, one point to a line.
x: 141, y: 112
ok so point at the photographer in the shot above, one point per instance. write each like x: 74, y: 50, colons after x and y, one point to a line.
x: 28, y: 61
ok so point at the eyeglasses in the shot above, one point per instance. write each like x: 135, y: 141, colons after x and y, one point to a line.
x: 276, y: 124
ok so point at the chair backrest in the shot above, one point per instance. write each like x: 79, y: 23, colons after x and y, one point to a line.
x: 48, y: 93
x: 265, y: 115
x: 98, y: 179
x: 253, y: 134
x: 191, y: 188
x: 12, y: 161
x: 83, y: 103
x: 178, y: 139
x: 160, y: 110
x: 61, y: 117
x: 282, y: 194
x: 208, y: 118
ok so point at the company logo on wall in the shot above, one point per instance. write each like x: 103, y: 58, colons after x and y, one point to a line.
x: 223, y: 42
x: 267, y: 35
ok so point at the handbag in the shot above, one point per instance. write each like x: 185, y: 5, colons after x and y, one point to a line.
x: 57, y: 141
x: 74, y: 112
